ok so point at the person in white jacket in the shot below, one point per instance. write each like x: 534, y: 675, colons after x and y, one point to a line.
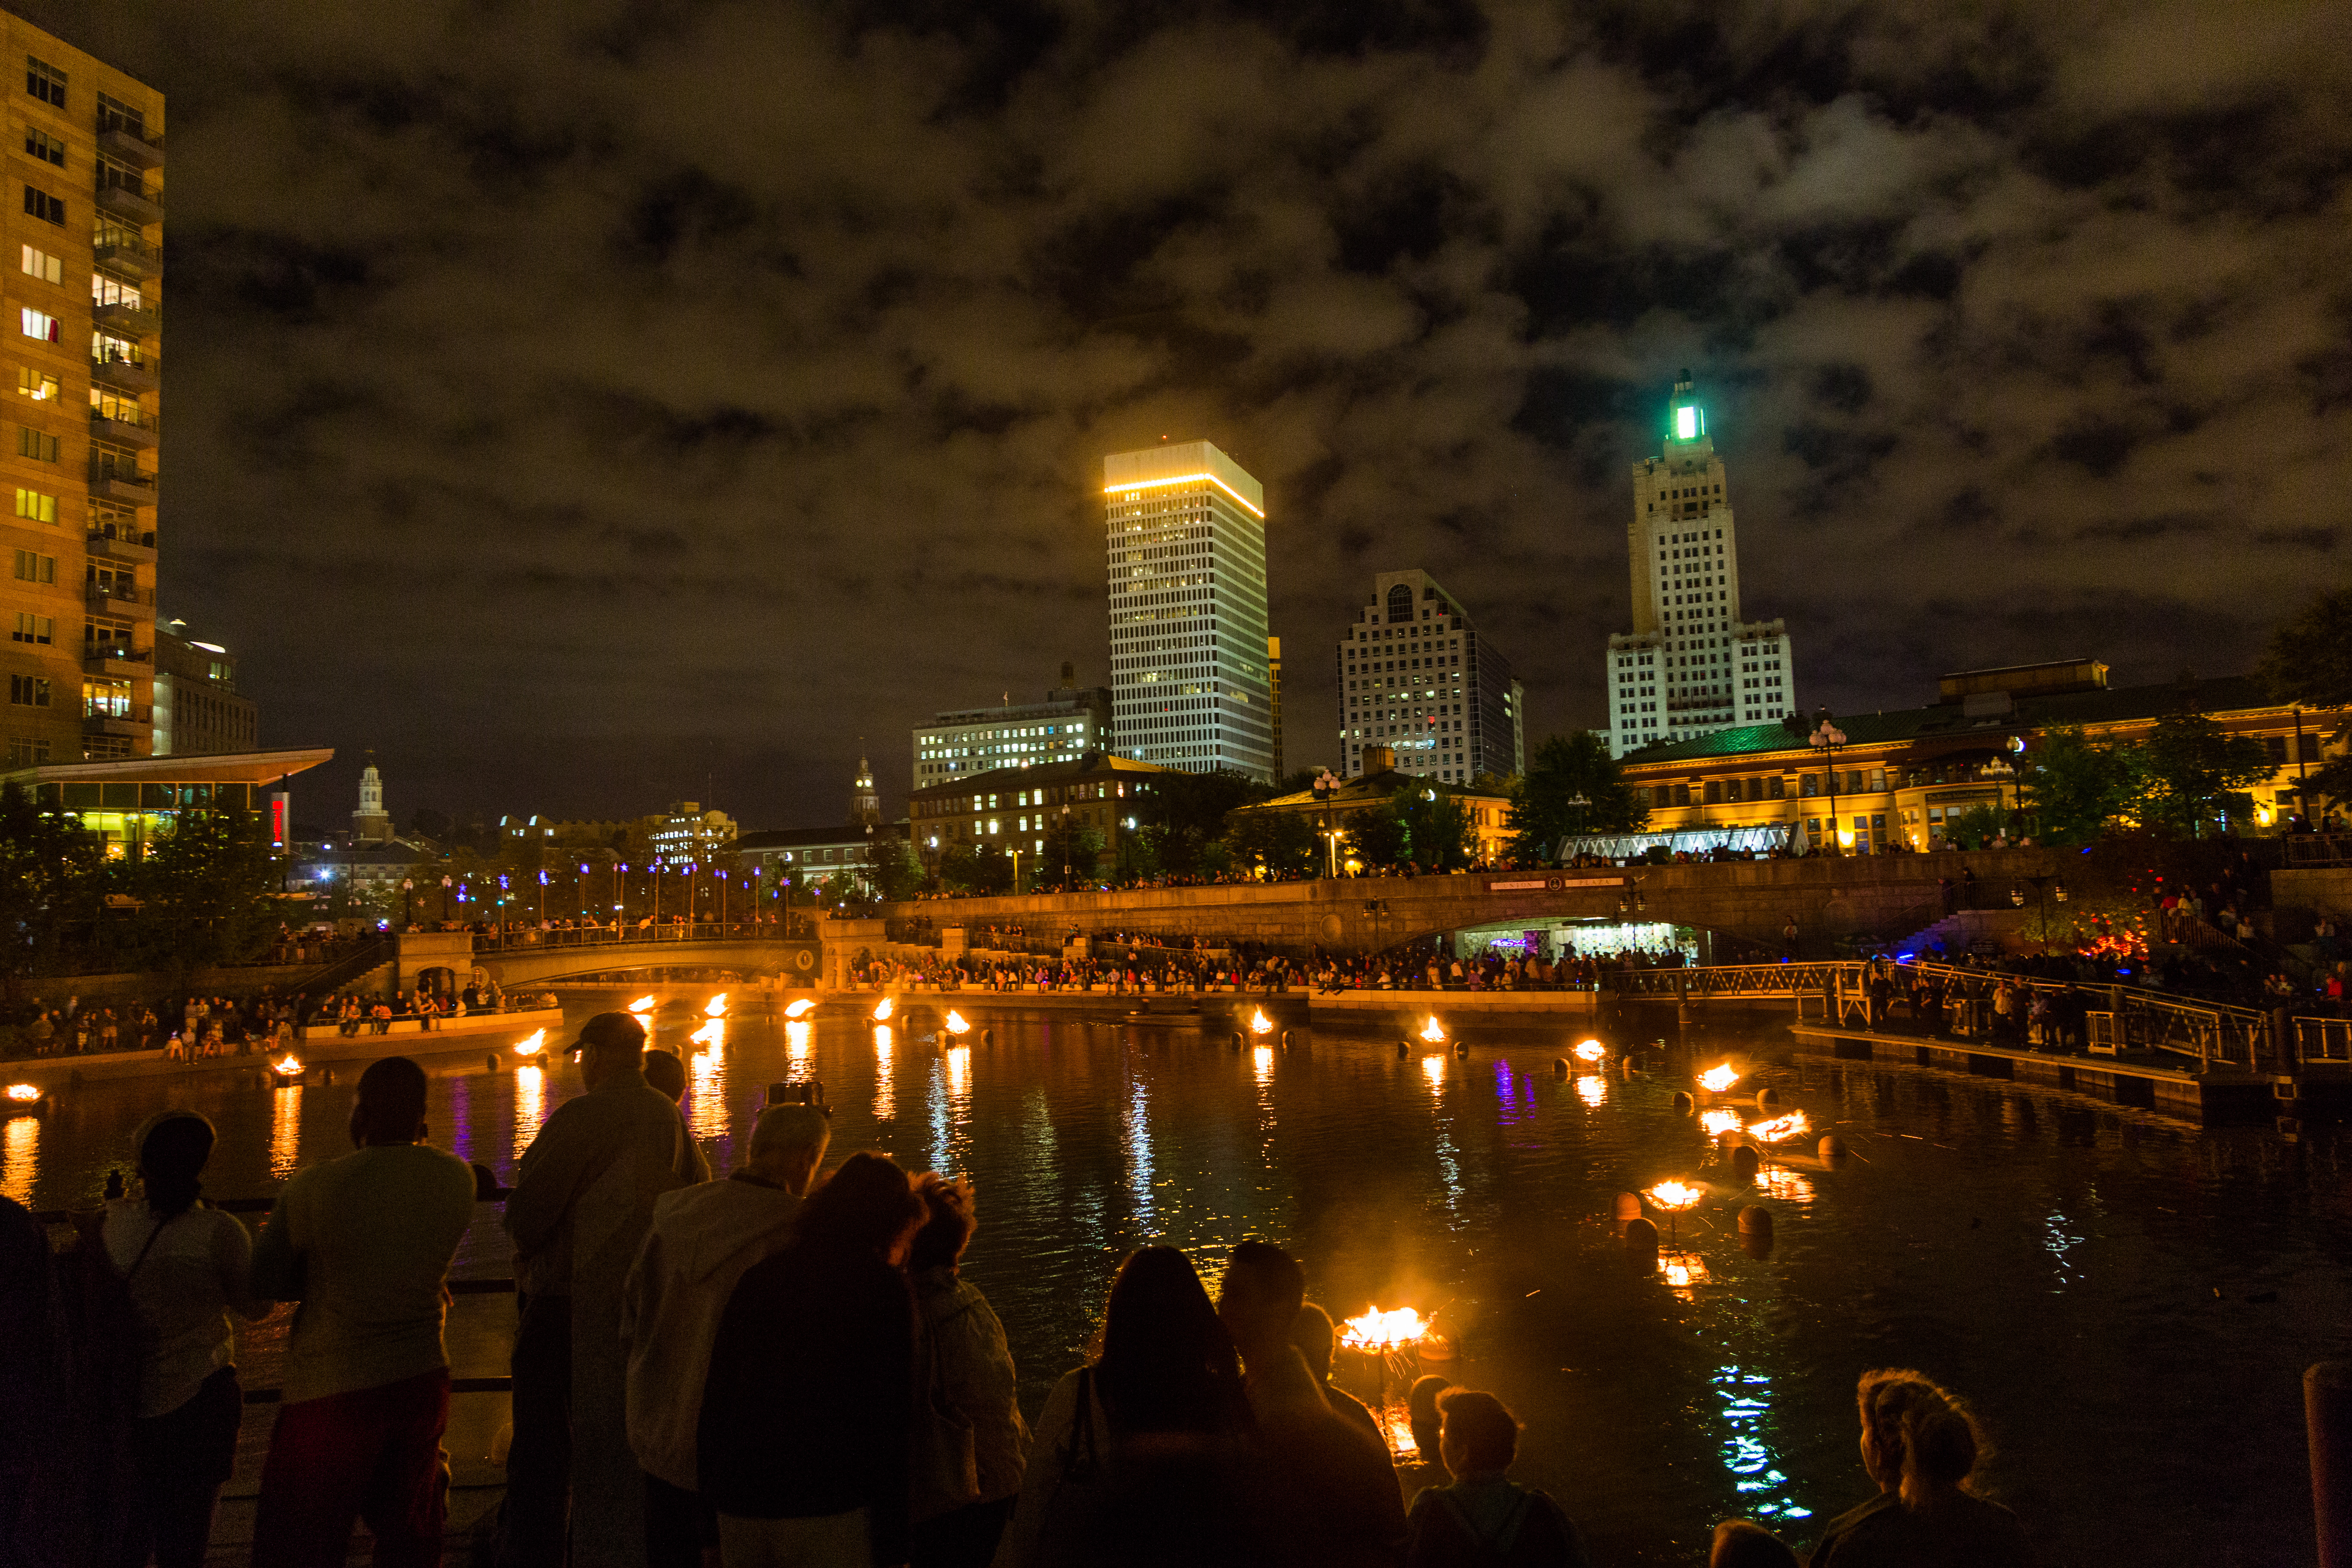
x: 703, y: 1238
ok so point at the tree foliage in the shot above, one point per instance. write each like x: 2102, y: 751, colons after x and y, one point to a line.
x: 2309, y: 663
x: 1281, y: 841
x: 1437, y: 831
x: 2076, y: 789
x: 1565, y: 767
x: 51, y: 889
x: 207, y: 888
x: 2194, y: 774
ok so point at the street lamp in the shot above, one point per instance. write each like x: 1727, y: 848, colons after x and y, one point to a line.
x: 1826, y: 738
x: 1327, y: 785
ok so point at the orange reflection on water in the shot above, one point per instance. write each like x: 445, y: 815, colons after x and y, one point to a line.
x: 1593, y: 1090
x: 706, y: 1083
x: 885, y: 1096
x: 285, y: 1131
x: 1264, y: 1058
x: 530, y: 1106
x: 797, y: 1044
x: 959, y: 1071
x: 1434, y: 1070
x: 20, y: 1157
x: 1783, y: 1182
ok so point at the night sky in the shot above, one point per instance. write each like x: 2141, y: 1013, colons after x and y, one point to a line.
x: 589, y: 404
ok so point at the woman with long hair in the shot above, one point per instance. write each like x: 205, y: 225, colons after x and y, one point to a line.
x: 1138, y: 1457
x: 1920, y: 1443
x: 971, y: 1444
x: 185, y: 1267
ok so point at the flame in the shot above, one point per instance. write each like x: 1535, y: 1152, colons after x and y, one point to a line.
x: 24, y: 1093
x: 1591, y: 1050
x: 1781, y: 1128
x: 1715, y: 1080
x: 1379, y: 1330
x: 642, y: 1005
x: 1260, y: 1024
x: 1682, y: 1269
x: 1676, y: 1196
x: 712, y: 1033
x: 1718, y: 1122
x: 290, y: 1066
x: 530, y: 1044
x: 1593, y: 1090
x: 956, y: 1026
x: 1431, y: 1032
x: 882, y: 1010
x: 717, y: 1007
x: 800, y: 1008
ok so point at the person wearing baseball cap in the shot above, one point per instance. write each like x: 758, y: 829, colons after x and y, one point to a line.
x: 583, y: 1200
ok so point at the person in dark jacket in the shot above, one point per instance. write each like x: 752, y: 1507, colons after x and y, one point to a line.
x: 1486, y: 1520
x: 803, y: 1440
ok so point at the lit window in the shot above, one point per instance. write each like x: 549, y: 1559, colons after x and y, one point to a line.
x: 40, y: 324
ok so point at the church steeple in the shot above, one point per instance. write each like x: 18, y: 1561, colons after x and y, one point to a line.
x: 864, y: 800
x: 370, y: 823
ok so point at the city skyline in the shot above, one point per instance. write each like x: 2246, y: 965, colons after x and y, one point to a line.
x: 2015, y: 338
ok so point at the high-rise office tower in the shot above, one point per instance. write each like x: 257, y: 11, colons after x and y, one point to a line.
x: 1691, y: 663
x: 88, y: 218
x: 1416, y: 675
x: 1185, y: 530
x: 1274, y: 697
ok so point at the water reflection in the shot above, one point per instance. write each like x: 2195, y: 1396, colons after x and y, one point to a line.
x: 885, y: 1096
x: 1449, y: 1162
x: 20, y: 1159
x: 285, y: 1131
x: 1783, y: 1182
x: 950, y: 1107
x: 1747, y: 1397
x: 1136, y: 1126
x: 796, y: 1046
x: 1593, y: 1090
x: 1434, y: 1070
x: 529, y: 1107
x: 706, y: 1087
x: 1262, y: 1058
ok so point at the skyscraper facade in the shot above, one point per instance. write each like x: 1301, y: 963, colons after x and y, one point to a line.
x: 89, y: 206
x: 1184, y: 531
x: 1416, y: 675
x: 1066, y: 724
x: 1693, y: 662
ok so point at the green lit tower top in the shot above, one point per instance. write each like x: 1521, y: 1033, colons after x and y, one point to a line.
x: 1685, y: 418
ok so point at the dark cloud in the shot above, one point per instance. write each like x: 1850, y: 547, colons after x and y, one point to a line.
x: 591, y: 404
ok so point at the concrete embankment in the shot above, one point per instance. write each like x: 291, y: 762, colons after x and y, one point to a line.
x: 320, y: 1046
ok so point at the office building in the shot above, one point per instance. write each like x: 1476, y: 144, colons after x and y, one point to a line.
x: 1417, y: 679
x: 198, y: 710
x: 1371, y: 790
x: 1274, y: 697
x: 85, y: 236
x: 1184, y: 532
x: 1019, y: 808
x: 1693, y: 663
x: 1070, y: 721
x: 688, y: 833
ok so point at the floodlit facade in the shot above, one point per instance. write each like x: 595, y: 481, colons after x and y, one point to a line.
x: 1417, y: 679
x: 198, y: 710
x: 1693, y: 663
x: 1184, y: 532
x: 84, y: 258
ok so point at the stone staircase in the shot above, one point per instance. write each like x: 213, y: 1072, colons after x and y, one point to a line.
x: 1958, y: 931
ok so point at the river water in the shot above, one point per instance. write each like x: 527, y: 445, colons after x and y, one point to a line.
x: 2130, y: 1303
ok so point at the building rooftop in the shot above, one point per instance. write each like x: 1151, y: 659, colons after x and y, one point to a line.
x: 1947, y: 721
x: 800, y: 837
x: 226, y: 767
x: 1042, y: 774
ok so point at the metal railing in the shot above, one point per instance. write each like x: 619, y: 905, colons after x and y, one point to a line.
x: 346, y: 969
x: 2318, y: 849
x: 111, y: 123
x: 521, y: 936
x: 2322, y: 1039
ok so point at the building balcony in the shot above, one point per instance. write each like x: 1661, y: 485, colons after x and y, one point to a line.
x: 141, y: 321
x: 108, y: 482
x: 121, y: 664
x: 129, y: 255
x: 119, y: 601
x: 138, y: 550
x: 123, y: 432
x: 141, y: 208
x: 132, y: 721
x: 122, y: 372
x: 132, y: 142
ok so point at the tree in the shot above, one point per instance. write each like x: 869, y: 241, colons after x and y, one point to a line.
x: 1278, y: 840
x: 52, y: 887
x: 897, y: 874
x: 980, y: 867
x: 2309, y: 663
x: 2077, y: 790
x: 208, y: 887
x: 2193, y: 773
x: 1975, y: 827
x: 1074, y: 850
x: 1566, y: 766
x: 1180, y: 814
x: 1437, y: 831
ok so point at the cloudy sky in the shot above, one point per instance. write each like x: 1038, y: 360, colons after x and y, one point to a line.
x: 591, y: 403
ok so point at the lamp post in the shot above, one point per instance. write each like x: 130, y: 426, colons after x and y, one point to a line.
x: 2045, y: 887
x: 620, y: 897
x: 1826, y: 738
x: 446, y: 882
x: 2001, y: 773
x: 542, y: 900
x: 1327, y: 785
x: 1580, y: 805
x: 722, y: 897
x: 407, y: 902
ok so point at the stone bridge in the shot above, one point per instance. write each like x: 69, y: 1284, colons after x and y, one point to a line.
x: 1876, y: 896
x: 798, y: 960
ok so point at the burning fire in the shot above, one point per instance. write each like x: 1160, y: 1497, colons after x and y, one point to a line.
x: 1718, y: 1122
x: 956, y: 1026
x: 1715, y: 1080
x: 1781, y: 1128
x: 642, y: 1005
x: 1379, y: 1330
x: 1676, y: 1196
x: 530, y: 1044
x: 717, y: 1007
x: 1260, y: 1024
x: 882, y: 1010
x: 1591, y: 1050
x: 712, y: 1033
x: 799, y: 1009
x: 291, y: 1066
x: 1683, y: 1270
x: 24, y: 1093
x: 1431, y: 1032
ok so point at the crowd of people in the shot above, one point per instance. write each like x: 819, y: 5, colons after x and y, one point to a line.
x: 782, y: 1369
x: 196, y: 1027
